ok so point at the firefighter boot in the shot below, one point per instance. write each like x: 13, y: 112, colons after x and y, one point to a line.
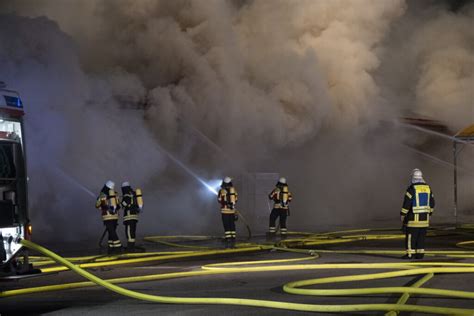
x: 131, y: 247
x: 419, y: 256
x: 226, y: 243
x: 270, y: 236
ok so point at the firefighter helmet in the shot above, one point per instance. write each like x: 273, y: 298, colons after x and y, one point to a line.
x: 227, y: 180
x: 282, y: 180
x: 110, y: 184
x: 125, y: 184
x: 416, y: 175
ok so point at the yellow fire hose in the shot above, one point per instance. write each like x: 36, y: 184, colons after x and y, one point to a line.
x: 44, y: 261
x: 466, y: 244
x: 408, y: 269
x: 428, y: 269
x: 287, y: 245
x: 312, y: 239
x: 404, y: 298
x: 155, y: 258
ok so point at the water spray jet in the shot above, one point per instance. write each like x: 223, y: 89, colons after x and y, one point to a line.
x: 188, y: 170
x: 73, y: 181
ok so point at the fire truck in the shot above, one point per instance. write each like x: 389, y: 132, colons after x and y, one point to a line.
x: 14, y: 220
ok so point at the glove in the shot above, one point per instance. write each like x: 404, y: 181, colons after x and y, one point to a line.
x: 236, y: 217
x: 404, y: 224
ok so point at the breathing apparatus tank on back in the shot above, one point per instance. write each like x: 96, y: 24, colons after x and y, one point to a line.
x: 138, y: 193
x: 112, y: 201
x: 231, y: 198
x: 284, y: 196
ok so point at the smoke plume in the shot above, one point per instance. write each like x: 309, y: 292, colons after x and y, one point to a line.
x: 307, y: 89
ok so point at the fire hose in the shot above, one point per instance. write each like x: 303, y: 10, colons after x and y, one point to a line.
x: 426, y: 269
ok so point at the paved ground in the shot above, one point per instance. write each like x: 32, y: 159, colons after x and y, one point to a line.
x: 262, y: 285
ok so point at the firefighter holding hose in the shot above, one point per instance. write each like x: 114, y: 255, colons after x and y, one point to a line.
x: 107, y: 203
x: 418, y: 206
x: 227, y: 198
x: 281, y: 197
x: 132, y: 203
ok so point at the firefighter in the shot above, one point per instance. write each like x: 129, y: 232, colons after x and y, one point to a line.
x: 227, y: 197
x: 107, y: 203
x: 132, y: 203
x: 418, y: 206
x: 281, y: 198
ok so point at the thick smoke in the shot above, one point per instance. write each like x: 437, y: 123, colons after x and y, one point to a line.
x: 430, y: 62
x: 77, y: 134
x: 446, y: 51
x: 309, y: 89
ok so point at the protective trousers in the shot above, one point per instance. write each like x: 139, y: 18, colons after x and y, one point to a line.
x: 415, y: 241
x: 130, y: 230
x: 114, y: 242
x: 282, y: 213
x: 229, y: 226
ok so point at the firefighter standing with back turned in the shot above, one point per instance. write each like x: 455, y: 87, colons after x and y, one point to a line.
x: 281, y: 198
x: 132, y: 203
x: 227, y: 197
x: 418, y: 205
x: 107, y: 203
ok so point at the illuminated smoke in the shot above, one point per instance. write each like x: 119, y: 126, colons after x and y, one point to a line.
x: 189, y: 171
x: 302, y: 88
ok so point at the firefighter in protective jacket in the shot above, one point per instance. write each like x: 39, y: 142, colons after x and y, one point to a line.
x: 418, y: 206
x: 227, y: 198
x: 107, y: 203
x: 281, y: 198
x: 132, y: 203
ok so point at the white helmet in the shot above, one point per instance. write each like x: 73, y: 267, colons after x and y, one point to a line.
x: 227, y: 180
x: 110, y: 184
x: 125, y: 184
x: 282, y: 180
x: 416, y: 176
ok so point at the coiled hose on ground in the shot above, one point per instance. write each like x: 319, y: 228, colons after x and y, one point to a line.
x: 426, y: 270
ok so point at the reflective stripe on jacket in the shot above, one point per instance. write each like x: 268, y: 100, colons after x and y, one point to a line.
x: 418, y: 205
